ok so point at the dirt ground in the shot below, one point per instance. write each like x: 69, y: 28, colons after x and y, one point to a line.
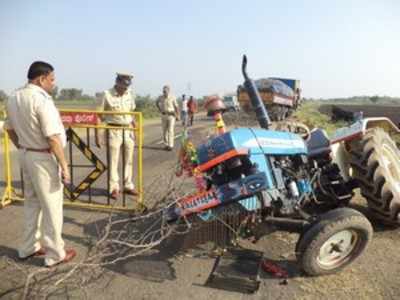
x: 168, y: 272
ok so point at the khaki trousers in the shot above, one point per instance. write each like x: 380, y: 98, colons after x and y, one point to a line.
x: 168, y: 126
x: 116, y: 142
x: 43, y: 206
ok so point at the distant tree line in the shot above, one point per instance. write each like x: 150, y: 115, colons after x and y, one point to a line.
x: 70, y: 94
x: 144, y: 104
x: 360, y: 100
x: 63, y: 94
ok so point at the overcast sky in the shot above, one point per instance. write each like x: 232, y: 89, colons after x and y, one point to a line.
x: 336, y: 48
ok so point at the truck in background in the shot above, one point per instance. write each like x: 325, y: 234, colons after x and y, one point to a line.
x: 231, y: 102
x: 281, y: 96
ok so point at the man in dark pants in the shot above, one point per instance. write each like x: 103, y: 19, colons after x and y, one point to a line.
x: 192, y: 108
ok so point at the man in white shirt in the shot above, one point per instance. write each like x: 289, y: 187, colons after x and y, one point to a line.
x: 168, y: 108
x: 34, y: 126
x: 120, y: 99
x: 184, y: 110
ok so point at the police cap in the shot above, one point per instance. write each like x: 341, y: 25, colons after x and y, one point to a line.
x: 124, y: 78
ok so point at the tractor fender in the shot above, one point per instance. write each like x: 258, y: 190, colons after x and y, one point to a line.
x: 359, y: 128
x: 340, y: 155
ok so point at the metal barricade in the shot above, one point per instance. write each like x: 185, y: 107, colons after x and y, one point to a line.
x: 81, y: 192
x: 8, y: 189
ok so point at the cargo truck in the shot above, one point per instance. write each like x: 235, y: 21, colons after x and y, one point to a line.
x: 281, y: 96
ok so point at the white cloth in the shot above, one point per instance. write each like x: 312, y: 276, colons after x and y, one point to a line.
x: 43, y: 206
x: 116, y: 141
x: 168, y: 104
x: 33, y: 116
x: 168, y: 126
x: 184, y: 105
x: 111, y: 101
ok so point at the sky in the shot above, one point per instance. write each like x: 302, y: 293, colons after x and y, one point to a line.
x: 335, y: 48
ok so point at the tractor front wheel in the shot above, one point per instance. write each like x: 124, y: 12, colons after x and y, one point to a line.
x: 335, y: 240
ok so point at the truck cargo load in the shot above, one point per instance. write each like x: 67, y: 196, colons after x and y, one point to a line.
x: 280, y: 95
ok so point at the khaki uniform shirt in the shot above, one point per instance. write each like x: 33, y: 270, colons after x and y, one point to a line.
x: 31, y: 113
x: 168, y: 104
x: 112, y: 102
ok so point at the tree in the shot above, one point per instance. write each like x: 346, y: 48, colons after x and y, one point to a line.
x: 374, y: 99
x: 86, y: 97
x: 70, y: 94
x: 99, y: 95
x: 3, y: 96
x: 146, y: 105
x: 54, y: 92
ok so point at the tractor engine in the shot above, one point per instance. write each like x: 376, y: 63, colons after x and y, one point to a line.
x: 281, y: 157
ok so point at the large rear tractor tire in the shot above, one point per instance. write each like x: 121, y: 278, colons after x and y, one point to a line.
x: 375, y: 162
x: 334, y: 241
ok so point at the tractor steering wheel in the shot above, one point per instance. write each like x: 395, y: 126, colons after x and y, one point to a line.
x: 294, y: 127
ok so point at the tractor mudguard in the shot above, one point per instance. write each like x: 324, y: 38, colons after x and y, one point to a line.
x: 359, y: 128
x: 356, y: 131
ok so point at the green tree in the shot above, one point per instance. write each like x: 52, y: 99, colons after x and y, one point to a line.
x: 54, y: 92
x: 3, y: 96
x: 374, y: 99
x: 146, y: 105
x: 70, y: 94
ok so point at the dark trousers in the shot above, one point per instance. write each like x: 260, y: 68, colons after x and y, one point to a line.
x: 191, y: 118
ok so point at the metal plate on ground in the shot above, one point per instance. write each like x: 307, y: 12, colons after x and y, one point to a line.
x: 237, y: 270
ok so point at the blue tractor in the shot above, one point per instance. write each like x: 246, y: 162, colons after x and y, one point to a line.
x: 285, y: 184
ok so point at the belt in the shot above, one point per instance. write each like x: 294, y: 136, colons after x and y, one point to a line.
x: 168, y: 113
x: 117, y: 125
x: 47, y: 150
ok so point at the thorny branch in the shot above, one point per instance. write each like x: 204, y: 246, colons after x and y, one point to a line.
x: 118, y: 238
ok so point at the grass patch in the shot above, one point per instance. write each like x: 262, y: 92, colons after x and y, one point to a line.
x: 309, y: 114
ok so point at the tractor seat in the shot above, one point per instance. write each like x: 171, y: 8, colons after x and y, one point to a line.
x: 318, y: 143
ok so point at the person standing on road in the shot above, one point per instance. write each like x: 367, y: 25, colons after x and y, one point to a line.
x: 168, y: 108
x: 184, y: 110
x: 120, y: 99
x: 192, y: 109
x: 34, y: 126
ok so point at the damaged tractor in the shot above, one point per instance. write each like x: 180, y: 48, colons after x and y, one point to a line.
x: 300, y: 183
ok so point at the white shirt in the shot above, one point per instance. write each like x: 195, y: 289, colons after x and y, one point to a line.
x: 168, y: 104
x: 184, y: 105
x: 31, y: 113
x: 111, y: 101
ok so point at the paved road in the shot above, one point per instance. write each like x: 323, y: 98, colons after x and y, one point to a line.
x: 168, y: 274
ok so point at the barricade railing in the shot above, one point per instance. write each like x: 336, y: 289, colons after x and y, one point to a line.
x: 6, y: 197
x: 78, y: 123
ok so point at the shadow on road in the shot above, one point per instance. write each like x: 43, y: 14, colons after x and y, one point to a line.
x: 154, y: 264
x: 159, y: 148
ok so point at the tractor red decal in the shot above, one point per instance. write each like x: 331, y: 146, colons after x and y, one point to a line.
x: 221, y: 158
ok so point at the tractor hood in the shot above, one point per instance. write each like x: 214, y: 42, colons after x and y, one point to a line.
x: 252, y: 141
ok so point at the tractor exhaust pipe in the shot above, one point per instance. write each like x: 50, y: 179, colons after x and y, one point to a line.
x: 255, y: 98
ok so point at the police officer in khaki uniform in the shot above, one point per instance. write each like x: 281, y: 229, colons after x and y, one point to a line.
x: 120, y: 99
x: 34, y: 125
x: 169, y: 110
